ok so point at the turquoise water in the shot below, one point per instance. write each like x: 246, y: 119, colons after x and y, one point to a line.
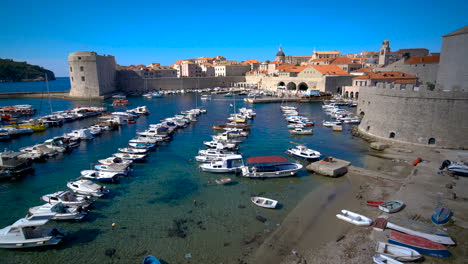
x: 158, y: 197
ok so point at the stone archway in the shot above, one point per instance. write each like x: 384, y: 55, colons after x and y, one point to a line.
x: 291, y: 86
x: 351, y: 95
x: 281, y: 84
x: 357, y: 95
x: 302, y: 86
x: 346, y: 94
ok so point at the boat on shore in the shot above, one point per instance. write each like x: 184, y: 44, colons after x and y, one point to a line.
x: 441, y: 215
x: 420, y: 229
x: 382, y: 259
x: 269, y: 167
x: 374, y: 203
x: 399, y: 253
x: 391, y: 206
x: 457, y: 168
x: 150, y: 260
x: 264, y: 202
x: 420, y: 244
x: 354, y: 218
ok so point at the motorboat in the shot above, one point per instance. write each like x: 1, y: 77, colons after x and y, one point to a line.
x: 81, y: 134
x: 210, y: 158
x: 383, y: 259
x: 58, y: 144
x: 87, y: 187
x: 62, y: 212
x: 220, y: 145
x: 102, y: 176
x: 132, y: 157
x: 135, y: 145
x: 269, y: 167
x: 301, y: 131
x: 223, y: 181
x: 399, y: 253
x: 146, y: 139
x: 354, y: 218
x: 304, y: 152
x: 133, y: 150
x: 39, y: 150
x: 12, y: 165
x: 457, y: 168
x: 113, y: 168
x: 264, y: 202
x: 95, y: 130
x: 330, y: 123
x: 225, y: 165
x: 392, y: 206
x: 140, y: 110
x: 114, y: 160
x: 206, y: 97
x: 30, y: 232
x: 420, y: 244
x: 67, y: 198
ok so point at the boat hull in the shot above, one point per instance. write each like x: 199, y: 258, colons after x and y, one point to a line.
x: 31, y: 243
x: 419, y: 229
x: 421, y: 245
x: 441, y: 216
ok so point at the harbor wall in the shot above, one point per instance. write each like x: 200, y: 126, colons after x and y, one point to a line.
x: 35, y: 95
x: 418, y: 115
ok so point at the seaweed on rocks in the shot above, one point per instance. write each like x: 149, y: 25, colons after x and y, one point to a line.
x: 178, y: 189
x: 179, y: 228
x: 110, y: 252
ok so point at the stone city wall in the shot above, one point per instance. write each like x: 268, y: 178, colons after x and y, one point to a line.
x: 425, y: 117
x: 426, y: 72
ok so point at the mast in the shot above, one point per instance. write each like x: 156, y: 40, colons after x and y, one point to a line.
x: 48, y: 92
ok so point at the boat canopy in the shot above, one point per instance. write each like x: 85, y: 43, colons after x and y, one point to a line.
x: 267, y: 159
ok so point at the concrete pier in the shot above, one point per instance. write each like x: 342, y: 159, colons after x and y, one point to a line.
x: 63, y: 94
x: 333, y: 167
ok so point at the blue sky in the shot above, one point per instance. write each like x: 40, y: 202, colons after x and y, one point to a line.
x: 45, y: 32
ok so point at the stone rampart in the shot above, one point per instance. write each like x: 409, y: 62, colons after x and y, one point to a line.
x: 415, y: 115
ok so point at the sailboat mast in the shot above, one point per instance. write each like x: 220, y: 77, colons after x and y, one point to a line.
x: 48, y: 92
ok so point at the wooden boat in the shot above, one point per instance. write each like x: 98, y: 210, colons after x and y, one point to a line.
x: 264, y: 202
x: 150, y: 260
x: 374, y: 203
x: 392, y: 206
x: 420, y: 244
x: 354, y: 218
x: 441, y: 215
x: 419, y: 229
x: 120, y: 102
x: 397, y: 252
x: 382, y: 259
x: 223, y: 181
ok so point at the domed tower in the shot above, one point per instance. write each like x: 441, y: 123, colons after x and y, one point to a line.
x: 384, y: 53
x: 280, y: 55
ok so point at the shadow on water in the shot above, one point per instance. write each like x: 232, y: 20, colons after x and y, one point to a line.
x: 93, y: 216
x: 178, y: 189
x: 82, y: 236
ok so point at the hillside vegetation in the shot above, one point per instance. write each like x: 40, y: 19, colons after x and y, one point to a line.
x: 15, y: 71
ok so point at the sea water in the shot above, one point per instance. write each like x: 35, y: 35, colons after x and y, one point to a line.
x: 167, y: 207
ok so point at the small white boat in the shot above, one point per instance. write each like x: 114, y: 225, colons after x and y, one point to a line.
x: 140, y: 110
x: 354, y: 218
x: 382, y: 259
x: 210, y: 158
x: 30, y: 232
x: 225, y: 165
x: 220, y: 145
x: 87, y: 187
x: 114, y: 160
x: 100, y: 175
x: 330, y: 123
x: 269, y: 167
x: 81, y: 134
x: 62, y: 212
x: 132, y: 157
x: 304, y: 152
x: 67, y: 198
x: 301, y: 131
x: 392, y: 206
x: 264, y: 202
x: 113, y: 168
x: 397, y: 252
x: 223, y: 181
x: 133, y: 150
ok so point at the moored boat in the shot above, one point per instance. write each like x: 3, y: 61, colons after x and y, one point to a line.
x: 269, y: 167
x: 62, y: 212
x: 354, y: 218
x: 303, y: 152
x: 100, y: 175
x: 399, y: 253
x: 420, y: 244
x: 382, y: 259
x: 392, y: 206
x: 441, y: 215
x: 223, y: 181
x: 228, y: 164
x: 264, y: 202
x: 67, y: 198
x: 87, y: 187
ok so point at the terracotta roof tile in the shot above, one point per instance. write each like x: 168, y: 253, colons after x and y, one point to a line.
x: 329, y: 70
x: 387, y: 75
x: 423, y: 59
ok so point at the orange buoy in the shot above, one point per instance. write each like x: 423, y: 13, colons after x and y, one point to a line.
x: 417, y: 161
x: 209, y: 182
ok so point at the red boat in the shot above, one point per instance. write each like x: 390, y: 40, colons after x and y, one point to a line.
x: 374, y: 203
x: 120, y: 102
x: 422, y: 245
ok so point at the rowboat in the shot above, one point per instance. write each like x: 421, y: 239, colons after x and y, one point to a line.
x: 223, y: 181
x: 264, y: 202
x: 422, y: 245
x: 382, y: 259
x: 150, y: 260
x: 354, y: 218
x: 392, y: 206
x: 441, y: 215
x: 397, y: 252
x: 457, y: 168
x: 374, y: 203
x: 419, y: 229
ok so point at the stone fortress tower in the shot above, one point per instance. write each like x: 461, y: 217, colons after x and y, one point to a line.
x: 91, y: 75
x: 423, y: 115
x: 384, y: 52
x: 280, y: 56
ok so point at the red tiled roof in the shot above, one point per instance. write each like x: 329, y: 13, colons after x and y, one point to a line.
x: 295, y: 69
x: 387, y: 75
x: 322, y: 59
x: 276, y: 62
x: 363, y: 70
x: 329, y: 70
x: 250, y: 61
x: 423, y: 59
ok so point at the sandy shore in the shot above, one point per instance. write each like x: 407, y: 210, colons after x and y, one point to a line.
x: 312, y: 234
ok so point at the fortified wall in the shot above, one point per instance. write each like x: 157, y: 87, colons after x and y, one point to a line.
x: 419, y: 116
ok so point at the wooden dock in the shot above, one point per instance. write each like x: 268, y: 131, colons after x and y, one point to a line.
x: 267, y: 100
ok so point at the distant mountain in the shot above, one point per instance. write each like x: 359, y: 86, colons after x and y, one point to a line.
x: 15, y: 71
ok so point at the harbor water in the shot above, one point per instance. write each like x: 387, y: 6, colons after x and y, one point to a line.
x: 167, y: 207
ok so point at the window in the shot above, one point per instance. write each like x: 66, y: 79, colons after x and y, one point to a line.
x: 81, y: 68
x: 71, y: 69
x: 368, y: 127
x: 82, y: 78
x: 72, y: 78
x: 79, y: 58
x: 431, y: 141
x: 392, y: 135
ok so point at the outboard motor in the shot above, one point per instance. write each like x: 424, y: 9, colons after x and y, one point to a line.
x: 445, y: 164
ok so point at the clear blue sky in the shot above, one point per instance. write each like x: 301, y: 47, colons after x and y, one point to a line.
x: 45, y: 32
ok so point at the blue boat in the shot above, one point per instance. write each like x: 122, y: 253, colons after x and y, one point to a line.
x: 150, y: 260
x: 421, y: 245
x: 441, y: 215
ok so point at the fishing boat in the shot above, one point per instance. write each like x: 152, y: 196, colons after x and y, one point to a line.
x: 303, y: 152
x: 382, y: 259
x: 457, y: 168
x: 441, y: 215
x: 227, y: 164
x: 220, y: 145
x: 67, y: 198
x: 391, y: 206
x: 100, y: 175
x: 399, y: 253
x: 150, y: 260
x: 113, y: 168
x: 223, y: 181
x: 269, y: 167
x: 87, y: 187
x: 132, y: 150
x: 417, y: 228
x: 81, y: 134
x: 264, y: 202
x: 30, y: 232
x: 132, y: 157
x: 114, y: 160
x: 374, y: 203
x: 301, y: 131
x: 354, y: 218
x: 140, y: 110
x: 120, y: 102
x: 210, y: 158
x: 12, y: 165
x: 420, y: 244
x: 62, y: 212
